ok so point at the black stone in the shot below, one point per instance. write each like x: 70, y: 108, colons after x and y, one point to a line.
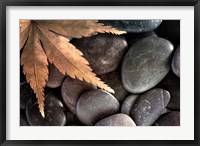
x: 72, y: 119
x: 25, y: 93
x: 149, y: 106
x: 133, y: 26
x: 176, y: 62
x: 146, y: 63
x: 169, y: 119
x: 172, y: 84
x: 71, y: 91
x: 23, y: 120
x: 116, y: 120
x: 54, y: 112
x: 128, y: 103
x: 103, y: 51
x: 95, y: 105
x: 55, y: 77
x: 113, y: 80
x: 170, y: 30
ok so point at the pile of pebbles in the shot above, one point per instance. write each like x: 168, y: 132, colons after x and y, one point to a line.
x: 142, y: 66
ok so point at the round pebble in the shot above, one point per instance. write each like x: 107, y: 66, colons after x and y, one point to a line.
x: 95, y: 105
x: 176, y: 62
x: 145, y: 64
x: 169, y: 119
x: 133, y: 26
x: 149, y: 106
x: 128, y: 103
x: 54, y: 112
x: 116, y: 120
x: 113, y: 80
x: 71, y: 91
x: 55, y: 77
x: 103, y: 51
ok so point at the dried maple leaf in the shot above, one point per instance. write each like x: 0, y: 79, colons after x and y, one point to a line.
x: 47, y: 39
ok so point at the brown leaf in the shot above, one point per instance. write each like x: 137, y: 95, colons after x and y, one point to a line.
x: 78, y: 28
x: 47, y: 39
x: 35, y: 63
x: 24, y: 30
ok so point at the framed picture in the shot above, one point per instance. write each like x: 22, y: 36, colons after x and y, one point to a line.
x: 99, y: 73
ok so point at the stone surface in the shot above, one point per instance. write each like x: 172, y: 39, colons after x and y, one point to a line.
x: 54, y: 112
x: 25, y: 93
x: 170, y: 30
x: 128, y: 103
x: 149, y: 106
x: 103, y: 51
x: 95, y: 105
x: 134, y: 37
x: 176, y: 62
x: 172, y: 84
x: 23, y: 120
x: 72, y: 119
x: 146, y: 63
x: 133, y: 26
x: 116, y: 120
x: 71, y: 91
x: 113, y: 80
x: 55, y: 77
x: 169, y: 119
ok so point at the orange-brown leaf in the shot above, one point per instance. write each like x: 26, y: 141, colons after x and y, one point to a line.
x: 35, y: 64
x: 68, y: 59
x: 77, y: 28
x: 24, y: 31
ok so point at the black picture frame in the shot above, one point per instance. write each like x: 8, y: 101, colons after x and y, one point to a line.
x: 5, y: 3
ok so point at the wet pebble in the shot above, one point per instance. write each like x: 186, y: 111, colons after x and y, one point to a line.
x: 133, y: 26
x: 149, y: 106
x: 169, y: 119
x: 146, y: 63
x: 113, y: 80
x: 103, y: 51
x: 55, y: 77
x: 71, y: 91
x: 128, y: 103
x: 116, y: 120
x: 176, y: 62
x: 54, y: 112
x: 95, y: 105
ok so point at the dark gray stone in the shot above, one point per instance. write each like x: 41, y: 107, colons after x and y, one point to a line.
x: 149, y: 106
x: 128, y: 103
x: 176, y: 62
x: 169, y: 119
x: 103, y: 51
x: 71, y: 91
x: 95, y: 105
x: 55, y: 77
x: 72, y: 119
x: 54, y: 112
x: 172, y: 84
x: 23, y: 120
x: 133, y: 26
x: 146, y: 63
x: 116, y: 120
x: 113, y: 80
x: 25, y: 93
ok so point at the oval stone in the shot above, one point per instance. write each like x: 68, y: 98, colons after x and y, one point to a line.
x: 133, y: 26
x: 54, y: 112
x: 55, y: 77
x: 95, y: 105
x: 128, y: 103
x: 149, y: 106
x: 103, y: 51
x: 71, y: 91
x: 146, y: 63
x: 116, y: 120
x: 169, y: 119
x: 176, y: 62
x: 113, y: 80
